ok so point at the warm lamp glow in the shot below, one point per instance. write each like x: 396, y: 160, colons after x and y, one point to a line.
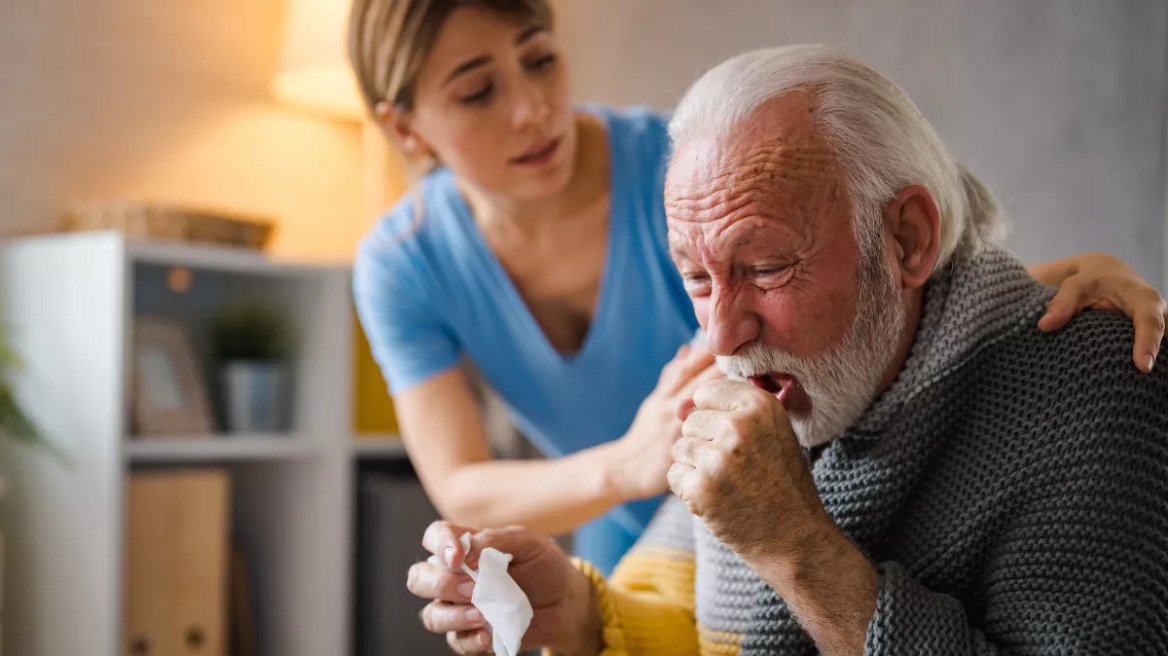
x: 316, y: 77
x: 315, y: 74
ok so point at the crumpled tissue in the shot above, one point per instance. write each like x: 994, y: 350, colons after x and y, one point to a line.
x: 498, y: 597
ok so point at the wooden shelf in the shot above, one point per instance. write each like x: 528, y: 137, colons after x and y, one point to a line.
x: 389, y: 446
x: 219, y: 258
x: 275, y: 446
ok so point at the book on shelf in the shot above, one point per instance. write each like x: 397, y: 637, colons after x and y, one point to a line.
x: 176, y: 562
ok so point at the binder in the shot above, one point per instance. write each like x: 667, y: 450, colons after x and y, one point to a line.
x: 176, y: 563
x: 373, y: 411
x: 241, y: 623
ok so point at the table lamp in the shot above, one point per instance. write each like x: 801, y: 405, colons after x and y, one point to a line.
x: 315, y: 77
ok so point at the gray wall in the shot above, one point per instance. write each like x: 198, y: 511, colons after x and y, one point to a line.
x: 1057, y: 104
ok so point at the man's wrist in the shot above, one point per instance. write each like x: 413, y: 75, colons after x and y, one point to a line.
x: 585, y: 626
x: 829, y: 584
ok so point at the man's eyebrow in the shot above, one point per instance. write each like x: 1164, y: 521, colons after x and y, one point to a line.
x: 777, y: 253
x: 677, y: 252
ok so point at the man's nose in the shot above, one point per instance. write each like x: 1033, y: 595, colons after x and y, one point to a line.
x: 730, y: 323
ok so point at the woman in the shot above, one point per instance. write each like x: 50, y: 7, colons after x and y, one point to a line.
x: 537, y: 252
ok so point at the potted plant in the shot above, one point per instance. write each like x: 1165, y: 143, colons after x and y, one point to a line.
x: 252, y: 344
x: 14, y: 423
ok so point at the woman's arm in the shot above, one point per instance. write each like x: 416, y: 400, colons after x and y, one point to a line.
x: 443, y: 430
x: 1102, y: 282
x: 444, y: 434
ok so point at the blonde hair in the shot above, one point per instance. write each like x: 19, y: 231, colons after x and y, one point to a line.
x: 389, y: 40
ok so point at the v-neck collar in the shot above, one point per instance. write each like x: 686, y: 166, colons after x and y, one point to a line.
x: 614, y: 254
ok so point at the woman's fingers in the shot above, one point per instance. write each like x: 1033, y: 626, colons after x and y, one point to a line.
x: 1108, y: 284
x: 685, y: 403
x: 711, y: 372
x: 669, y: 372
x: 1062, y: 307
x: 1149, y: 317
x: 699, y: 362
x: 696, y: 360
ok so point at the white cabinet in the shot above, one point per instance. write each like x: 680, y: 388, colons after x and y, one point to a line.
x: 69, y: 302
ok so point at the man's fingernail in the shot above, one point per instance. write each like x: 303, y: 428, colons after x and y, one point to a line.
x: 448, y: 554
x: 473, y: 615
x: 465, y: 589
x: 484, y: 640
x: 1150, y: 361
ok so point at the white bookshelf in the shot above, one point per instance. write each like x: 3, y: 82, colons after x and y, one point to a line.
x: 380, y: 446
x: 183, y: 450
x: 69, y: 303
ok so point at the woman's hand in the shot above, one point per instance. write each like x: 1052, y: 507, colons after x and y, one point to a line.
x: 564, y: 615
x: 1102, y: 282
x: 643, y: 455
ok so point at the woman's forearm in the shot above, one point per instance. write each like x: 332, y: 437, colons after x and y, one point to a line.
x: 445, y: 436
x: 553, y: 496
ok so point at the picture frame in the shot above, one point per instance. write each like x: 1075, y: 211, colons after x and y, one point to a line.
x: 169, y: 388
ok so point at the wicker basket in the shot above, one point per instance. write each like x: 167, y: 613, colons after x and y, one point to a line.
x: 159, y: 221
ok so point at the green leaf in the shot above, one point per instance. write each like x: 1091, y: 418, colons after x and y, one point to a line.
x: 251, y: 332
x: 13, y: 422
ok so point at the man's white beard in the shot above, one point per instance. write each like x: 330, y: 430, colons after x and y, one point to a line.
x: 842, y: 381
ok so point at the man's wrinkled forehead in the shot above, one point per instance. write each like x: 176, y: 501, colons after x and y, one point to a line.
x: 774, y: 153
x: 774, y: 171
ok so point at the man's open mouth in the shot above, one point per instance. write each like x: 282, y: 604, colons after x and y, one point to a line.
x: 776, y: 383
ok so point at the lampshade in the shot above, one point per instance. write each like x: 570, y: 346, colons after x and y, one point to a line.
x: 315, y: 74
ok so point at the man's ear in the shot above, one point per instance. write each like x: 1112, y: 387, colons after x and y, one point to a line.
x: 397, y: 124
x: 914, y: 224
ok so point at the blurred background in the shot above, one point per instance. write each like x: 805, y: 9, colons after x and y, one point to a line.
x: 1058, y: 104
x: 239, y: 113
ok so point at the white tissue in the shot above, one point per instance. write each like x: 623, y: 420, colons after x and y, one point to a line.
x: 499, y: 598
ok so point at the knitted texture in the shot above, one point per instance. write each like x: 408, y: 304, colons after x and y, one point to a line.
x: 612, y: 635
x: 648, y: 605
x: 1011, y: 487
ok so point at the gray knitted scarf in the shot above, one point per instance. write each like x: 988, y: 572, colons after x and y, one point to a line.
x: 1011, y: 486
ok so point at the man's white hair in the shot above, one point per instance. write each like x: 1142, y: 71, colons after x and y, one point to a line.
x: 879, y: 138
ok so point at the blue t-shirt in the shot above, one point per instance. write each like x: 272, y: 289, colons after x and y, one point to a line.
x: 430, y: 292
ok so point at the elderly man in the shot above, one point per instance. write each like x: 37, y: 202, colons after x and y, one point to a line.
x: 901, y: 462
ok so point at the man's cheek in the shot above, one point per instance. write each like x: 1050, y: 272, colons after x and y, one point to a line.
x: 702, y: 311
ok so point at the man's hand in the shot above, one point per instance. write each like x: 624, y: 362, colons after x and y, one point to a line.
x: 565, y: 615
x: 739, y: 467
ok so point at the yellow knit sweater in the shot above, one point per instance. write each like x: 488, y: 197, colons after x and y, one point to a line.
x: 648, y: 604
